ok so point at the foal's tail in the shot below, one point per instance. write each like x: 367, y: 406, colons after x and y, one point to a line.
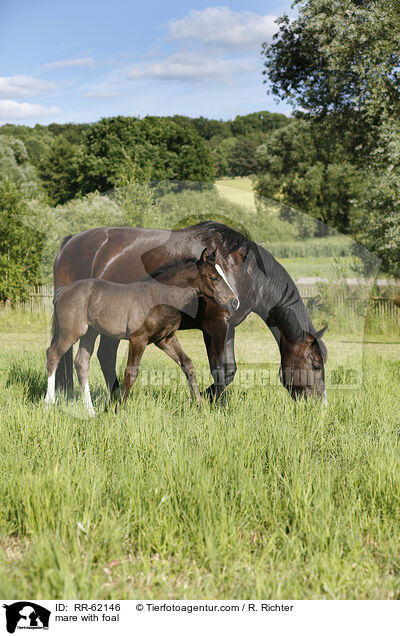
x: 64, y: 372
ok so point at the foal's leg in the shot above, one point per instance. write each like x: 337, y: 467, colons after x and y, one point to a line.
x: 82, y: 362
x: 54, y: 354
x: 172, y: 347
x: 137, y: 347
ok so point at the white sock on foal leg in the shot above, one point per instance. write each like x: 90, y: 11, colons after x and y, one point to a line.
x: 88, y: 400
x: 51, y: 389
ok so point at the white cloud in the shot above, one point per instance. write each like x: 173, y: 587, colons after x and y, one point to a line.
x: 23, y: 86
x: 79, y: 61
x: 223, y: 27
x: 23, y: 110
x: 101, y: 93
x: 190, y: 67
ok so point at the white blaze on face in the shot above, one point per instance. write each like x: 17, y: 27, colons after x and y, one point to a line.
x: 221, y: 273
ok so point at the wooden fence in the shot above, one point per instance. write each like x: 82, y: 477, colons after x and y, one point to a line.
x: 41, y: 299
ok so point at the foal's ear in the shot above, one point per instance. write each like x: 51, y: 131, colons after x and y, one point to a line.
x: 212, y: 257
x: 203, y: 258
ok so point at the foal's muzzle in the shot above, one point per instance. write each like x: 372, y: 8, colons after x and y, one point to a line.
x: 234, y: 304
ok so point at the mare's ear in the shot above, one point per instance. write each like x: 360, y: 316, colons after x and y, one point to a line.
x: 310, y: 338
x: 203, y: 258
x: 321, y: 332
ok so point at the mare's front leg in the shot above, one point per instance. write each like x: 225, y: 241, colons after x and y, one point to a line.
x: 82, y: 362
x: 219, y: 339
x: 137, y: 347
x: 172, y: 348
x: 107, y: 356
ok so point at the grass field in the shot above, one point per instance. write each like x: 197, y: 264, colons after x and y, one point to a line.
x: 261, y: 498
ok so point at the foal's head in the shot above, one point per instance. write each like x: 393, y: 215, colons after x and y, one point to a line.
x: 211, y: 282
x: 302, y: 366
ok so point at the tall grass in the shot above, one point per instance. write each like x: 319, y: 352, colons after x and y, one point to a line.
x: 328, y: 247
x: 261, y: 498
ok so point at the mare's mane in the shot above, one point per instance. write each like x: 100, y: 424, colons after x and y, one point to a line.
x: 169, y: 268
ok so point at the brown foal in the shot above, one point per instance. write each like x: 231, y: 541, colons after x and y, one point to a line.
x: 148, y: 311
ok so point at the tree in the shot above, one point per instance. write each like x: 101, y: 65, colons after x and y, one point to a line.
x: 20, y: 246
x: 379, y: 227
x: 242, y: 157
x: 339, y: 61
x: 168, y: 150
x: 221, y: 149
x: 340, y: 57
x: 58, y: 170
x: 208, y: 128
x: 301, y: 166
x: 71, y: 132
x: 15, y: 165
x: 36, y: 140
x: 262, y: 122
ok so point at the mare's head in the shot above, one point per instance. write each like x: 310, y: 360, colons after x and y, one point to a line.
x: 302, y: 366
x: 211, y: 282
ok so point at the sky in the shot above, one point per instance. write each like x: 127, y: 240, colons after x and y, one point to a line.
x: 80, y: 60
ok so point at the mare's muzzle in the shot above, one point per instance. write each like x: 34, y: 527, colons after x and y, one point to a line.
x: 304, y: 384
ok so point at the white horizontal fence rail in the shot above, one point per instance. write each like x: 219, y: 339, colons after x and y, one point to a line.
x: 40, y: 298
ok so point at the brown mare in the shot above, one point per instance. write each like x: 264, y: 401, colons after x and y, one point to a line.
x: 263, y: 286
x: 144, y: 312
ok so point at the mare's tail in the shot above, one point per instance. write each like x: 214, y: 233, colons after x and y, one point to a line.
x: 64, y: 373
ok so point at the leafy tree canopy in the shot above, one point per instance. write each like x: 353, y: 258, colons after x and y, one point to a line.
x: 302, y: 166
x: 242, y: 158
x: 169, y: 150
x: 15, y: 165
x: 58, y: 169
x: 339, y: 56
x: 339, y: 61
x: 260, y: 122
x: 35, y: 139
x: 20, y: 247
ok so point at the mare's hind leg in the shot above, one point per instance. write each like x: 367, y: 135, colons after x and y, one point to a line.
x: 54, y: 354
x: 172, y: 347
x: 82, y: 362
x: 137, y: 347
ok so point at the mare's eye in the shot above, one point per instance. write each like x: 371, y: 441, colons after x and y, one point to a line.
x: 316, y: 367
x: 213, y: 278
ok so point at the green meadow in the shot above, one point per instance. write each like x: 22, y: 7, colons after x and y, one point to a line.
x: 258, y: 498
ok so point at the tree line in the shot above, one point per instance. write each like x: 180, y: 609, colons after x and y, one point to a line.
x: 76, y: 159
x: 337, y: 158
